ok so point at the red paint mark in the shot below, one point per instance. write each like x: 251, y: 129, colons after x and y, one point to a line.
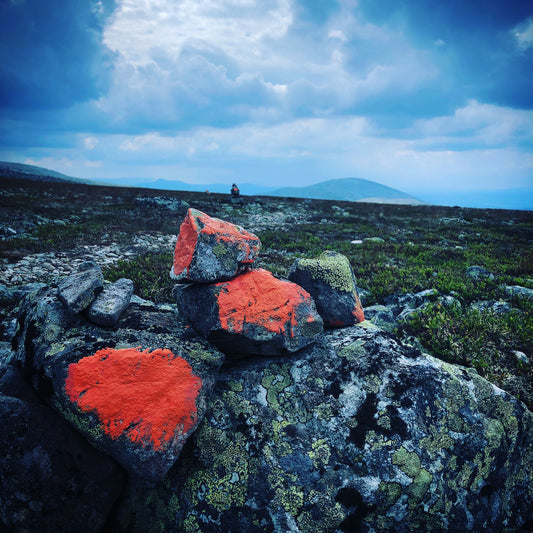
x: 186, y: 243
x: 148, y: 396
x: 257, y: 297
x: 198, y: 224
x: 358, y: 312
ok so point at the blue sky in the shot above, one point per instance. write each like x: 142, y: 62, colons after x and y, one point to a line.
x: 418, y: 95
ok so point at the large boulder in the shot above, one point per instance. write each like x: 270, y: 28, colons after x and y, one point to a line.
x: 136, y: 392
x: 51, y: 478
x: 209, y: 249
x: 330, y: 280
x: 354, y: 433
x: 253, y: 313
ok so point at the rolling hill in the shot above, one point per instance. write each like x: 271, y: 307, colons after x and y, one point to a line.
x: 349, y: 189
x: 35, y: 173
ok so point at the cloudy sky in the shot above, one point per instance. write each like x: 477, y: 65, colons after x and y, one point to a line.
x: 415, y: 94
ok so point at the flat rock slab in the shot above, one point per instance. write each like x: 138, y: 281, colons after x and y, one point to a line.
x: 136, y: 392
x: 209, y: 249
x: 354, y: 433
x: 330, y: 280
x: 111, y: 302
x: 78, y: 290
x: 255, y: 313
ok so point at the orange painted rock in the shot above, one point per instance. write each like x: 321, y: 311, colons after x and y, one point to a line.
x: 137, y: 402
x: 331, y: 282
x: 252, y: 313
x: 209, y: 249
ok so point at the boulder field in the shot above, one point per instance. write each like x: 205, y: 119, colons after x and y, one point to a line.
x: 236, y: 410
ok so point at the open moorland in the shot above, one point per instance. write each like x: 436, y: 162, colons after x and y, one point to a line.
x: 412, y: 263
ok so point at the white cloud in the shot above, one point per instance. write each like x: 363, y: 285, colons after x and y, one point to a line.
x: 523, y: 33
x: 478, y: 123
x: 237, y: 27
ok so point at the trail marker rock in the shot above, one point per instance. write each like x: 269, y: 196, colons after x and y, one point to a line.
x: 209, y: 249
x: 253, y: 313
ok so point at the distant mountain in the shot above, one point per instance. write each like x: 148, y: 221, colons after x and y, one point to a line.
x: 349, y: 189
x: 35, y: 173
x: 177, y: 185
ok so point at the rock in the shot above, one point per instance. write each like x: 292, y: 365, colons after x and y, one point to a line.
x: 375, y: 240
x: 136, y: 392
x: 51, y: 478
x: 331, y: 282
x: 78, y: 290
x: 521, y: 357
x: 209, y: 249
x: 254, y: 313
x: 478, y: 273
x: 519, y: 292
x: 11, y: 296
x: 354, y: 433
x: 111, y: 302
x: 498, y: 308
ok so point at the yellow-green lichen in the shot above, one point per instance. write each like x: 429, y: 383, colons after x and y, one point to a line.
x: 353, y: 351
x: 407, y: 462
x: 391, y: 492
x: 320, y: 453
x: 288, y: 494
x: 332, y: 268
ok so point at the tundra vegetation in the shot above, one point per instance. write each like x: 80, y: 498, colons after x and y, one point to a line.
x: 393, y: 249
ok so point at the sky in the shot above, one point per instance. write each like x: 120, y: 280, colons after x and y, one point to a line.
x: 424, y: 96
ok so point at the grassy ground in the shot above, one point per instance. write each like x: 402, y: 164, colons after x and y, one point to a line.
x: 410, y: 249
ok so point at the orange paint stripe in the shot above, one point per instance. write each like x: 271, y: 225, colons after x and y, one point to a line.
x: 148, y: 396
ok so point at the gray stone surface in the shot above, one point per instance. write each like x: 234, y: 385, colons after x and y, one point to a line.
x: 354, y: 433
x: 78, y: 290
x: 111, y: 302
x: 478, y: 273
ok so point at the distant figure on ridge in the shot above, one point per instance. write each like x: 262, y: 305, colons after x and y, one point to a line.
x: 236, y: 195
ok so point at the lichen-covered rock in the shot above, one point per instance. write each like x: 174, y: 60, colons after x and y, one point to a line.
x: 354, y: 433
x: 51, y: 478
x: 78, y: 290
x: 331, y: 282
x: 111, y: 302
x: 209, y: 249
x: 253, y: 313
x: 136, y: 392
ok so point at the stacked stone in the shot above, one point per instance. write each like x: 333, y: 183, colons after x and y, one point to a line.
x: 244, y: 310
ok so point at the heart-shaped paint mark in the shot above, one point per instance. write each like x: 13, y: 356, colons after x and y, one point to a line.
x: 148, y: 396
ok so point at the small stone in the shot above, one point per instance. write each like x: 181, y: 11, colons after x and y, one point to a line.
x: 478, y: 273
x: 521, y: 357
x: 78, y: 290
x: 111, y: 302
x: 331, y: 282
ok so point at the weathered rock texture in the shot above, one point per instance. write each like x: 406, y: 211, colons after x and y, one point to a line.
x: 78, y: 290
x: 354, y: 433
x: 111, y: 302
x: 136, y: 393
x: 51, y: 478
x: 331, y: 282
x: 253, y: 313
x: 209, y: 249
